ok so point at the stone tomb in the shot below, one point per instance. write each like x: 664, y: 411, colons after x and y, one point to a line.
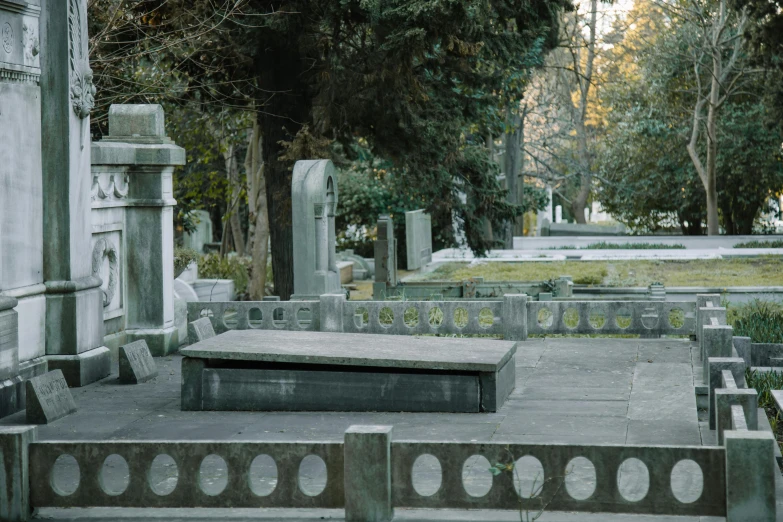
x: 48, y: 398
x: 250, y: 370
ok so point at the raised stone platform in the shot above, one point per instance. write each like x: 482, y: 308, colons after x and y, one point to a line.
x: 251, y: 370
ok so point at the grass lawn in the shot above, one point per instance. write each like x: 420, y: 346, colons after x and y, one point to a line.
x: 759, y: 271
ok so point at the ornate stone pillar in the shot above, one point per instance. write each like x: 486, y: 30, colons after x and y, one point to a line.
x: 137, y: 144
x: 74, y: 299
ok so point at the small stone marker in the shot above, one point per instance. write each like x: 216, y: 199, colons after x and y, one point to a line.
x: 200, y: 330
x: 136, y: 363
x: 48, y: 398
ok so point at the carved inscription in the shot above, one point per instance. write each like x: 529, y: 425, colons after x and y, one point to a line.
x: 48, y: 398
x: 136, y: 363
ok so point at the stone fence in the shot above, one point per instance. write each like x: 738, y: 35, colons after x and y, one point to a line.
x: 513, y: 318
x: 369, y: 475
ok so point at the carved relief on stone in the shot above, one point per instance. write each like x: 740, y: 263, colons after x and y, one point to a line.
x: 30, y: 42
x: 112, y: 191
x: 82, y: 88
x: 105, y: 249
x: 7, y: 35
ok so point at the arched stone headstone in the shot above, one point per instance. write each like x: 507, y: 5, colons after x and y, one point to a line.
x: 314, y: 202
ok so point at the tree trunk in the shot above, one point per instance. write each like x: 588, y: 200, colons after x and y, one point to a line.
x: 260, y: 222
x: 232, y: 170
x: 713, y: 227
x: 281, y: 69
x: 512, y: 165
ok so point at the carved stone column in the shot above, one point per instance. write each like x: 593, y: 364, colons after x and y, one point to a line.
x: 74, y: 300
x: 137, y: 143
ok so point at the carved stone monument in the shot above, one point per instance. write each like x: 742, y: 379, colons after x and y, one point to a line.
x: 48, y: 398
x: 385, y: 258
x: 314, y: 201
x: 133, y: 226
x: 136, y: 363
x: 22, y: 299
x: 418, y: 239
x: 74, y: 298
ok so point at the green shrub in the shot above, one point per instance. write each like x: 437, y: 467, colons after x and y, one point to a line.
x: 212, y: 266
x: 760, y: 320
x: 763, y: 383
x: 776, y: 243
x: 602, y: 245
x: 182, y: 258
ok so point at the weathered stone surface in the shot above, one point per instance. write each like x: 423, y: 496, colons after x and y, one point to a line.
x: 48, y: 398
x: 368, y: 474
x: 15, y: 472
x: 750, y: 474
x: 314, y: 201
x: 84, y: 368
x: 200, y: 330
x: 418, y: 239
x: 136, y: 363
x: 380, y: 351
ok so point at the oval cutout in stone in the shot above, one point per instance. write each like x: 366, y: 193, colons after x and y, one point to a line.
x: 545, y: 318
x: 486, y: 318
x: 650, y: 318
x: 213, y: 475
x: 411, y: 317
x: 361, y: 317
x: 676, y: 318
x: 279, y: 318
x: 580, y: 478
x: 65, y: 476
x: 597, y: 318
x: 255, y: 317
x: 163, y: 475
x: 312, y: 475
x: 476, y: 477
x: 435, y: 317
x: 528, y: 477
x: 304, y: 316
x: 633, y: 480
x: 571, y: 318
x: 623, y: 318
x: 426, y: 475
x: 460, y: 317
x: 115, y: 475
x: 230, y: 318
x: 687, y: 481
x: 262, y: 476
x: 386, y: 317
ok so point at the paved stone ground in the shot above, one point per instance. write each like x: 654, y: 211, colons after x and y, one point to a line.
x: 573, y: 390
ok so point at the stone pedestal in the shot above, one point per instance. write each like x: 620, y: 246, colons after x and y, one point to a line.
x: 74, y: 311
x: 137, y: 150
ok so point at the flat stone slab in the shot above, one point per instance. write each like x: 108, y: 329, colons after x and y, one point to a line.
x: 251, y: 370
x: 48, y: 398
x: 136, y: 363
x: 380, y: 351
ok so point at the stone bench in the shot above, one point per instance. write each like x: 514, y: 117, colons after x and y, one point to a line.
x: 252, y: 370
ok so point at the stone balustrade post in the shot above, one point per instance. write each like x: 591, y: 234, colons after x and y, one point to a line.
x: 515, y: 317
x: 331, y: 312
x: 715, y: 367
x: 750, y: 476
x: 717, y: 342
x: 138, y: 145
x: 702, y: 300
x: 15, y: 471
x: 367, y: 474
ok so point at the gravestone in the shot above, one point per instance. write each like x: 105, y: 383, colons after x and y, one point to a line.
x: 418, y: 239
x: 203, y: 233
x: 559, y: 214
x: 385, y: 257
x: 200, y: 330
x: 314, y: 202
x: 48, y: 398
x: 546, y: 215
x: 136, y: 363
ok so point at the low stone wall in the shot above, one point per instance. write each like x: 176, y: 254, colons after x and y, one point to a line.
x: 369, y: 475
x: 611, y: 317
x: 514, y: 317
